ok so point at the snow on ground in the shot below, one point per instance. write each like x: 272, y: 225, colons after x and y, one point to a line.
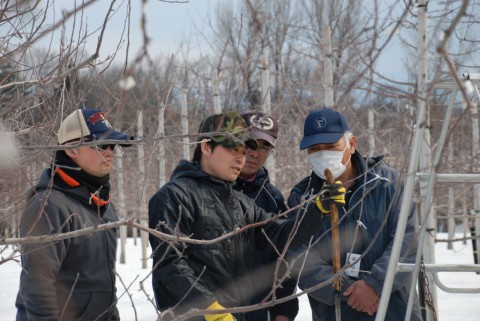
x: 452, y: 306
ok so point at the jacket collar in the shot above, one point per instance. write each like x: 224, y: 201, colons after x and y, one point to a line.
x: 187, y: 169
x: 259, y: 179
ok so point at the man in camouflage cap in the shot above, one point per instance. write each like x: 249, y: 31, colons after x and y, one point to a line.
x: 227, y: 129
x: 199, y: 202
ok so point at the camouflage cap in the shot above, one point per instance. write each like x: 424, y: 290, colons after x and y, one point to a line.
x: 234, y: 127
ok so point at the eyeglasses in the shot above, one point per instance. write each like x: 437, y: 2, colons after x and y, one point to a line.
x: 264, y: 148
x: 104, y: 146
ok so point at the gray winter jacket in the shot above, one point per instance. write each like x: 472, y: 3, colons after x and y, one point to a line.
x: 198, y: 205
x: 367, y: 226
x: 71, y: 279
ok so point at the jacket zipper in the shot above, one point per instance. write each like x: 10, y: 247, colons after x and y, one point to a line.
x: 235, y: 238
x: 110, y: 268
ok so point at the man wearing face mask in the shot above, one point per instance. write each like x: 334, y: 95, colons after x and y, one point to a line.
x: 368, y: 194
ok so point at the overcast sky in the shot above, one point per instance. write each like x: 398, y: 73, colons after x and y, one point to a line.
x: 167, y: 24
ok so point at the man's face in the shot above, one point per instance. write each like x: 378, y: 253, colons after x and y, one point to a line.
x: 340, y: 145
x: 93, y: 160
x: 256, y: 158
x: 221, y: 162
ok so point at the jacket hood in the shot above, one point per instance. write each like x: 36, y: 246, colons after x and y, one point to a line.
x: 188, y: 169
x: 45, y: 182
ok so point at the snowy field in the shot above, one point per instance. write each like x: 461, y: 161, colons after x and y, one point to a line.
x: 452, y: 306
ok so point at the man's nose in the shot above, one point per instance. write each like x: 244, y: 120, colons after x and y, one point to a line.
x: 252, y: 152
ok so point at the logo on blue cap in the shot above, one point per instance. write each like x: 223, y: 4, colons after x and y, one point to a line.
x: 320, y: 123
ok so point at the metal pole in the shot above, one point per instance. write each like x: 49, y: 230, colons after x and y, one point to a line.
x: 451, y: 201
x: 425, y: 159
x: 418, y: 141
x: 450, y: 178
x: 428, y: 201
x: 475, y: 153
x: 403, y: 217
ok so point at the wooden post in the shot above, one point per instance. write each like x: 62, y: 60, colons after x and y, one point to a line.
x: 267, y: 109
x: 327, y: 67
x: 371, y: 132
x: 121, y: 205
x: 142, y: 206
x: 161, y: 146
x: 217, y: 108
x: 186, y: 146
x: 335, y: 249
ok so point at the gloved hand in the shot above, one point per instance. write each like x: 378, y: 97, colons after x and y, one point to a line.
x: 218, y: 317
x: 331, y: 194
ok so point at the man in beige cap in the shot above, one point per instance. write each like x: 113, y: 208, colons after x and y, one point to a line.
x: 72, y: 279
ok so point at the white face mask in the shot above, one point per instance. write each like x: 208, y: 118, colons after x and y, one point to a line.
x: 331, y: 159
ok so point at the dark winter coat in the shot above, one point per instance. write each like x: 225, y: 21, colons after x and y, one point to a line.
x: 204, y: 207
x: 262, y: 192
x: 74, y: 277
x: 271, y: 200
x: 374, y: 201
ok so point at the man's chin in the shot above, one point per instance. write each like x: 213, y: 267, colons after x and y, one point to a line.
x: 246, y: 174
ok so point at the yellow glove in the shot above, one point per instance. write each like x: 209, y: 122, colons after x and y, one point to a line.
x: 331, y: 194
x: 218, y: 317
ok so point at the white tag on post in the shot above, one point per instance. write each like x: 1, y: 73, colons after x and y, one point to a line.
x: 353, y: 270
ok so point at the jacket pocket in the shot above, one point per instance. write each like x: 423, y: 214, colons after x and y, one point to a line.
x: 95, y: 304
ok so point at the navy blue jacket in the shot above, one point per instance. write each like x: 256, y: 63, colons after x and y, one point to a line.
x: 367, y: 224
x: 271, y: 200
x: 263, y: 192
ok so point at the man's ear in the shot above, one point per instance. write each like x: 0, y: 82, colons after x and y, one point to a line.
x: 353, y: 144
x: 205, y: 148
x: 72, y: 153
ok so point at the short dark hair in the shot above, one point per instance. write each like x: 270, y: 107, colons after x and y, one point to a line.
x: 197, y: 153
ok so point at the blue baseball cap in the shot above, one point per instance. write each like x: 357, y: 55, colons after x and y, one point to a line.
x: 89, y: 124
x: 323, y: 126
